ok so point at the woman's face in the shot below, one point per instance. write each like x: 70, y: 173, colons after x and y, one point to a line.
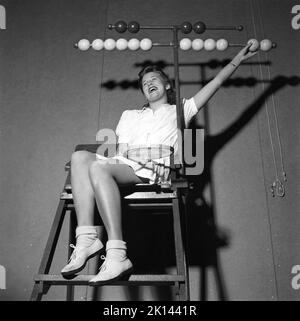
x: 154, y: 87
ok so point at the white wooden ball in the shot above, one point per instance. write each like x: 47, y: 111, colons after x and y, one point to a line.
x: 197, y: 44
x: 133, y: 44
x: 254, y: 45
x: 222, y: 44
x: 98, y: 44
x: 83, y: 44
x: 266, y: 45
x: 146, y: 44
x: 185, y: 44
x: 121, y: 44
x: 209, y: 44
x: 109, y: 44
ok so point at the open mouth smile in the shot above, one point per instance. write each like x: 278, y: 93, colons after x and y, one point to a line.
x: 152, y: 89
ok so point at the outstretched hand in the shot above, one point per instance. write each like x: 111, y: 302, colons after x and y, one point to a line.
x: 245, y: 53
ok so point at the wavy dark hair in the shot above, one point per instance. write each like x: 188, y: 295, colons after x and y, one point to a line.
x: 171, y: 97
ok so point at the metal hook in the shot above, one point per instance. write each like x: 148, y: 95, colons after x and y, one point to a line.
x: 272, y: 189
x: 284, y: 176
x: 280, y: 191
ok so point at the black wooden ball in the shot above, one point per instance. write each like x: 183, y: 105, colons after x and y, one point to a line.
x: 133, y: 27
x: 186, y: 27
x: 199, y: 27
x: 120, y: 26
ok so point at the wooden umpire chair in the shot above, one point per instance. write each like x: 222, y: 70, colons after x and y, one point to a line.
x: 154, y: 197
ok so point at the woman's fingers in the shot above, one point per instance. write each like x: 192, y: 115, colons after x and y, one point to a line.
x: 250, y: 54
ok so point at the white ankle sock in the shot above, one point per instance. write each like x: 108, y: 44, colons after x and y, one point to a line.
x: 86, y: 235
x: 116, y: 249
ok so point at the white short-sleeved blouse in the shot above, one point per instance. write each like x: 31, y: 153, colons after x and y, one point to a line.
x: 146, y: 127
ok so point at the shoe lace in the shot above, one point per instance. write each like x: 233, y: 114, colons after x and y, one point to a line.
x: 73, y: 255
x: 103, y: 265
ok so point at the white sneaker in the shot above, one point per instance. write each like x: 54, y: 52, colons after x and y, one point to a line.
x: 80, y: 256
x: 112, y: 270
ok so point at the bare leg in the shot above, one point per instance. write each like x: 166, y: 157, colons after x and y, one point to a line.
x: 105, y: 179
x: 87, y: 241
x: 83, y: 193
x: 95, y: 179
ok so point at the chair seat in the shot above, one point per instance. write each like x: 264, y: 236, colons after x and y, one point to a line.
x: 150, y: 195
x: 138, y: 191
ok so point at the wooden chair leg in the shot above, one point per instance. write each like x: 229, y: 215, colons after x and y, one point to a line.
x: 72, y: 240
x: 37, y: 293
x: 50, y: 248
x: 182, y: 287
x: 184, y: 231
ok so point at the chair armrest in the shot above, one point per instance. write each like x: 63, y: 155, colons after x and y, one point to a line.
x: 68, y: 166
x: 88, y: 147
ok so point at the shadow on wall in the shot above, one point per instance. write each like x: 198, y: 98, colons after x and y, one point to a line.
x: 150, y: 239
x: 213, y: 64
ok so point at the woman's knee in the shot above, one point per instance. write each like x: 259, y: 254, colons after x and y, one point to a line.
x: 98, y: 171
x: 81, y: 157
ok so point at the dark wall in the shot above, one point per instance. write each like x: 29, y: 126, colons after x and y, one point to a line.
x: 244, y: 242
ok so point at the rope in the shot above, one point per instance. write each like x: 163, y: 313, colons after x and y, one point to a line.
x: 254, y: 95
x: 267, y: 200
x: 277, y: 187
x: 280, y: 190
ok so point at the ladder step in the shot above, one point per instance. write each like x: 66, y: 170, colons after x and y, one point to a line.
x: 133, y: 279
x: 138, y: 187
x: 134, y: 196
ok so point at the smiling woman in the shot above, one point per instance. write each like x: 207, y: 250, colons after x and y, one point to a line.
x: 154, y: 124
x: 154, y: 76
x: 154, y: 88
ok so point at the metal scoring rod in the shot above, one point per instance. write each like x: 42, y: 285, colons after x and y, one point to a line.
x: 184, y: 44
x: 186, y: 27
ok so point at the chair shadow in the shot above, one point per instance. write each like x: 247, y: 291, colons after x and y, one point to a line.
x: 149, y: 238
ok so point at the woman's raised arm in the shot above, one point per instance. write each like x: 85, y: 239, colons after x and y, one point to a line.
x: 203, y: 96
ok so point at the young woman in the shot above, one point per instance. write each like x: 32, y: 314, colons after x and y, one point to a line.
x: 95, y: 177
